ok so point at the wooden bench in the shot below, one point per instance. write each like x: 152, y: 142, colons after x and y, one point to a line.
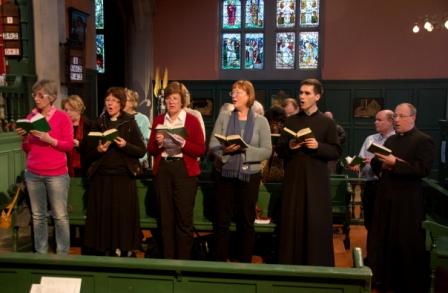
x: 436, y: 225
x: 203, y: 209
x: 18, y: 271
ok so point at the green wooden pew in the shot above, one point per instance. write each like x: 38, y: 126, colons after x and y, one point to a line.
x: 18, y: 271
x: 436, y: 225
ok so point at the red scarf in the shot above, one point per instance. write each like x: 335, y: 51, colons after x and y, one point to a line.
x: 74, y: 157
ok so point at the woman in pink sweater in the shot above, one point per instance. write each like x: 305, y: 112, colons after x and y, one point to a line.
x: 46, y: 172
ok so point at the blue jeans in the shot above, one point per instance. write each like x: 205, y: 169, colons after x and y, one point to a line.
x: 55, y: 188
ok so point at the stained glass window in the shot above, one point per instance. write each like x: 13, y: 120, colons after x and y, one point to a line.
x: 100, y: 53
x: 231, y: 56
x: 254, y: 49
x: 99, y: 21
x: 308, y: 50
x: 254, y: 13
x: 285, y: 50
x: 99, y: 14
x: 286, y: 13
x: 231, y: 14
x: 276, y: 37
x: 309, y: 13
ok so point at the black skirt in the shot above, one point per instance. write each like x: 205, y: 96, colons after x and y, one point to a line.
x: 113, y: 219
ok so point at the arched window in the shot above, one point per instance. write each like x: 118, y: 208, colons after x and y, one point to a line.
x: 99, y: 25
x: 268, y: 39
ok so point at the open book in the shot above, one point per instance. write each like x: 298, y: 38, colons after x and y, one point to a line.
x: 37, y: 122
x: 380, y: 149
x: 181, y: 131
x: 300, y: 135
x: 108, y: 135
x: 231, y: 139
x: 355, y: 160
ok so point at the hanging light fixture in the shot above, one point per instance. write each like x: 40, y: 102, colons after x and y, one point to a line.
x: 416, y: 28
x: 431, y: 23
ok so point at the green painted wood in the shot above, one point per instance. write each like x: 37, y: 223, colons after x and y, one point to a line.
x: 108, y: 274
x: 12, y: 159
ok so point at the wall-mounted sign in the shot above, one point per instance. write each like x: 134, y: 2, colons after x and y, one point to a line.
x: 76, y: 65
x: 12, y: 44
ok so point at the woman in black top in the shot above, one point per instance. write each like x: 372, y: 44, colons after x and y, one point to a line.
x: 112, y: 224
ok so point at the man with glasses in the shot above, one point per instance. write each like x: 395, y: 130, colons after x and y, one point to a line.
x: 397, y: 242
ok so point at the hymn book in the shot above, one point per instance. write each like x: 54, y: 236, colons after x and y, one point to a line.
x: 355, y: 160
x: 380, y: 149
x: 169, y: 131
x: 231, y: 139
x: 300, y: 135
x: 108, y: 135
x: 37, y: 122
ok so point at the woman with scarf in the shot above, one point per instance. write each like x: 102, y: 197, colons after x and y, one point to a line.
x: 113, y: 221
x: 74, y: 106
x: 238, y: 171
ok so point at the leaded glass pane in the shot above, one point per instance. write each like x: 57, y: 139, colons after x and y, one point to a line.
x: 231, y: 14
x: 100, y: 53
x: 254, y: 13
x: 308, y: 50
x: 309, y: 13
x: 286, y: 13
x: 99, y: 14
x: 254, y: 50
x: 231, y: 57
x: 285, y: 50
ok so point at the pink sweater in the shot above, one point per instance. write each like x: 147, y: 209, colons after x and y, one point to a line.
x: 44, y: 159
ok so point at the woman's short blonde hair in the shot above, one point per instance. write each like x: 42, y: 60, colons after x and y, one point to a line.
x: 248, y: 87
x: 132, y: 96
x: 75, y: 102
x: 49, y: 87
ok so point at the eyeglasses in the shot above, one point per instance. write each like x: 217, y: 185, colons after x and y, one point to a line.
x: 401, y: 116
x: 235, y: 93
x: 39, y: 95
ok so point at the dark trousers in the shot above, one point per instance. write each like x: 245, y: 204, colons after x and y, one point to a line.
x: 176, y: 192
x: 235, y: 199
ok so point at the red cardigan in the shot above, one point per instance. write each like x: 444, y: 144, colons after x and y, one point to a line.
x: 193, y: 149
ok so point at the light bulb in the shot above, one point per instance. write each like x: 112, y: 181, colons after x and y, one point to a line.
x: 446, y: 24
x: 428, y: 26
x: 415, y: 29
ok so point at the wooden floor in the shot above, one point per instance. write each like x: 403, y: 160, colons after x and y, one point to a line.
x: 343, y: 258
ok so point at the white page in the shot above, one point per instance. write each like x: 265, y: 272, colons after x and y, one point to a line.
x: 59, y: 285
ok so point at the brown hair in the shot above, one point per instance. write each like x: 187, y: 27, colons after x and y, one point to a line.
x: 248, y: 87
x: 318, y: 87
x: 119, y: 93
x: 176, y: 87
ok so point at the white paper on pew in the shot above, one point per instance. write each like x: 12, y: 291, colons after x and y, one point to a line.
x: 58, y: 285
x: 36, y: 288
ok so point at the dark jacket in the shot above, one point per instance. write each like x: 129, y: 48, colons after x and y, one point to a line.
x: 134, y: 149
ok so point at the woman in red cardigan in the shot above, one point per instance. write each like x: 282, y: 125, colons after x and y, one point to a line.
x: 176, y: 142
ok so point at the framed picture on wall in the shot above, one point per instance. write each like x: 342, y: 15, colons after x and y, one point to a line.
x: 367, y: 107
x: 203, y: 105
x: 77, y: 27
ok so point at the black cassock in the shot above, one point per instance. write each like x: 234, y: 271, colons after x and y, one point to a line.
x: 305, y: 227
x: 397, y: 241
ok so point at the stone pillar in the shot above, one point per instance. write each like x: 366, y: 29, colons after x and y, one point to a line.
x: 49, y: 33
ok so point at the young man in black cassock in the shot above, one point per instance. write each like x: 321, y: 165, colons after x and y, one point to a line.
x: 397, y: 253
x: 305, y: 227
